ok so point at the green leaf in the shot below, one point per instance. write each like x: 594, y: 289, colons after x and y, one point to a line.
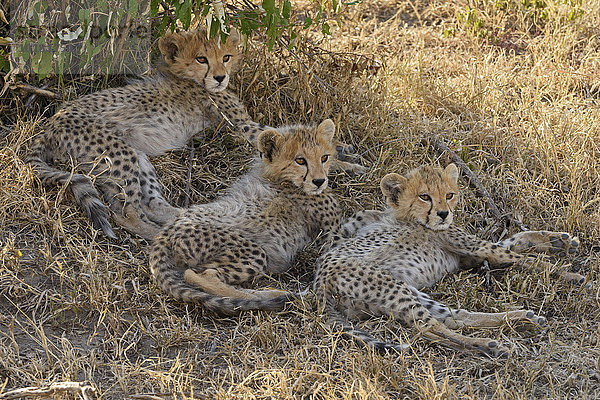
x: 25, y: 50
x: 293, y: 37
x: 84, y: 16
x: 307, y: 22
x: 45, y: 64
x: 215, y: 27
x: 40, y: 7
x: 162, y: 27
x: 133, y: 8
x: 269, y: 6
x: 287, y: 7
x: 154, y: 7
x: 4, y: 64
x: 325, y: 28
x: 96, y: 50
x: 185, y: 14
x: 35, y: 20
x: 249, y: 22
x: 60, y: 67
x: 35, y: 62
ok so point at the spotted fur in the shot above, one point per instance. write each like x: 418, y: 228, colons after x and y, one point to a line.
x: 209, y: 252
x: 386, y: 258
x: 107, y: 136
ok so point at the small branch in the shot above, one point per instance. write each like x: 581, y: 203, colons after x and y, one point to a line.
x: 71, y: 387
x: 150, y: 396
x: 320, y: 81
x: 188, y: 182
x: 37, y: 91
x: 122, y: 36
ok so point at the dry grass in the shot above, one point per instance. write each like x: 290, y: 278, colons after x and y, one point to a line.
x: 516, y: 96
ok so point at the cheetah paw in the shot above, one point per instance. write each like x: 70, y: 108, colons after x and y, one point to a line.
x: 536, y: 319
x: 554, y: 243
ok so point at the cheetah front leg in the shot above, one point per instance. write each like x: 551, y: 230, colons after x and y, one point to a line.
x: 458, y: 318
x: 234, y: 113
x: 471, y: 248
x: 359, y: 220
x: 560, y: 243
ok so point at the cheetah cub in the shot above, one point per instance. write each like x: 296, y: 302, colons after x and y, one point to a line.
x: 387, y: 257
x: 108, y: 136
x: 210, y: 250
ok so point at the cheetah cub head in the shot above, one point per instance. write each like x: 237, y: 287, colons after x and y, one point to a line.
x: 426, y: 195
x: 208, y: 62
x: 298, y: 154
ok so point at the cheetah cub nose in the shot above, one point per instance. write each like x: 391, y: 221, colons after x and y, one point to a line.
x: 442, y: 214
x: 318, y: 182
x: 219, y: 78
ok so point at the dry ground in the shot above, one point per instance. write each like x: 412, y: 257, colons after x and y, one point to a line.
x: 511, y: 88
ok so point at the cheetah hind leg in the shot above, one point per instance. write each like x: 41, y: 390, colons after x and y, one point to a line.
x: 405, y: 307
x: 438, y: 332
x: 458, y: 318
x: 346, y: 160
x: 132, y: 219
x: 555, y: 243
x: 210, y: 281
x: 120, y: 188
x: 126, y: 210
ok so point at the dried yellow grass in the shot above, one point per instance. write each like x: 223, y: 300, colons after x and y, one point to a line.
x: 517, y: 98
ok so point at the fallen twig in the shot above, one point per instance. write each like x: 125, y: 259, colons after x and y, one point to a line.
x: 73, y: 387
x: 37, y: 91
x: 188, y: 182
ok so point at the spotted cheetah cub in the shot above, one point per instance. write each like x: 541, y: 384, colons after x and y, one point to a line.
x: 271, y: 213
x: 388, y: 257
x: 108, y: 136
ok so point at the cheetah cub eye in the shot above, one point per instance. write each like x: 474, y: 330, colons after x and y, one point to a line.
x: 201, y: 60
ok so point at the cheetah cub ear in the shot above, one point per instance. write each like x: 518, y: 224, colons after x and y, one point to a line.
x: 392, y: 186
x: 169, y: 46
x: 234, y: 37
x: 269, y: 144
x: 327, y: 129
x: 451, y: 172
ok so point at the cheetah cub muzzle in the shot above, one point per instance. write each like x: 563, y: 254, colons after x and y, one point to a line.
x: 211, y: 253
x: 383, y: 260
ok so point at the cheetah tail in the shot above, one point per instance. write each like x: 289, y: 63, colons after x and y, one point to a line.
x: 85, y: 193
x: 337, y: 320
x: 170, y: 279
